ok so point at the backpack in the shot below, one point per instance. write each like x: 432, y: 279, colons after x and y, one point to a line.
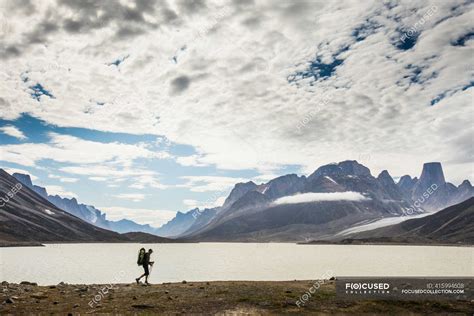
x: 141, y: 256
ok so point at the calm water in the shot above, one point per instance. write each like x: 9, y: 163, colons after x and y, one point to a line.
x: 116, y: 263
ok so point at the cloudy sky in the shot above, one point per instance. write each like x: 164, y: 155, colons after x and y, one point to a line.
x: 143, y: 108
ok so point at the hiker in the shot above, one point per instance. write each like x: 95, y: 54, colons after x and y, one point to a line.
x: 144, y: 260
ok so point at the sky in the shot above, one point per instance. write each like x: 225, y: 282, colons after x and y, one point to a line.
x: 145, y: 108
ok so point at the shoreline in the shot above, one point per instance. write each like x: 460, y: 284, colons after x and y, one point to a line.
x: 5, y: 244
x: 384, y: 244
x: 209, y: 298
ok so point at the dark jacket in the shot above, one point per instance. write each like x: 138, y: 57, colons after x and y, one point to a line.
x: 146, y: 259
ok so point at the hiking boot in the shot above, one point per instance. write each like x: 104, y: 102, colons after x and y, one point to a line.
x: 138, y: 281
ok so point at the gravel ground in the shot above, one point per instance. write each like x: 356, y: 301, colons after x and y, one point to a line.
x: 206, y: 298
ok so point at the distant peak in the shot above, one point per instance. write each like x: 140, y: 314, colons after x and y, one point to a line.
x: 405, y: 179
x: 347, y: 167
x: 239, y: 190
x: 406, y: 183
x: 179, y: 213
x: 433, y: 163
x: 384, y: 174
x: 432, y: 173
x: 348, y: 161
x: 290, y: 175
x: 288, y: 178
x: 465, y: 183
x: 248, y: 183
x: 385, y: 177
x: 23, y: 178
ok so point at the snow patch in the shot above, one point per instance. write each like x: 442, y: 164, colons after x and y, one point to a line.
x: 48, y: 212
x: 380, y: 223
x: 331, y: 179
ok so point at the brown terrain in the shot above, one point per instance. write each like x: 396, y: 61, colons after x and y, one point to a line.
x: 207, y: 298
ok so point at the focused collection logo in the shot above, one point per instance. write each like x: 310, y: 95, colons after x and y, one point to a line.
x: 404, y: 288
x: 367, y: 288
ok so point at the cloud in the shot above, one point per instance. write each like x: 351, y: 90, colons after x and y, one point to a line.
x: 321, y: 197
x: 59, y: 190
x: 143, y: 181
x: 69, y: 180
x: 65, y: 17
x: 214, y: 201
x: 106, y: 171
x: 209, y: 183
x: 190, y: 161
x: 98, y: 160
x: 70, y: 149
x: 272, y: 84
x: 11, y: 130
x: 63, y: 179
x: 179, y: 84
x: 191, y: 6
x: 141, y: 178
x: 153, y: 217
x: 135, y: 197
x: 190, y: 203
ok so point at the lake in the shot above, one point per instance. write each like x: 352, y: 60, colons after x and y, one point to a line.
x: 116, y: 263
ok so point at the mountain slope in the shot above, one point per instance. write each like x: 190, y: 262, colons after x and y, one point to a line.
x: 87, y: 213
x: 454, y: 224
x: 202, y: 219
x: 293, y: 222
x: 406, y: 185
x: 179, y: 224
x: 27, y: 216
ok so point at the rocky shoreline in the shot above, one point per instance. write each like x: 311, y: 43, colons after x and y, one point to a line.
x: 209, y: 298
x: 20, y: 244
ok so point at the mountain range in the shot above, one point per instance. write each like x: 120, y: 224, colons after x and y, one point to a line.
x: 28, y: 218
x: 332, y: 199
x: 87, y: 213
x: 253, y: 212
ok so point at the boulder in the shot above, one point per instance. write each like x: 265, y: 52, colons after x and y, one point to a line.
x: 39, y: 295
